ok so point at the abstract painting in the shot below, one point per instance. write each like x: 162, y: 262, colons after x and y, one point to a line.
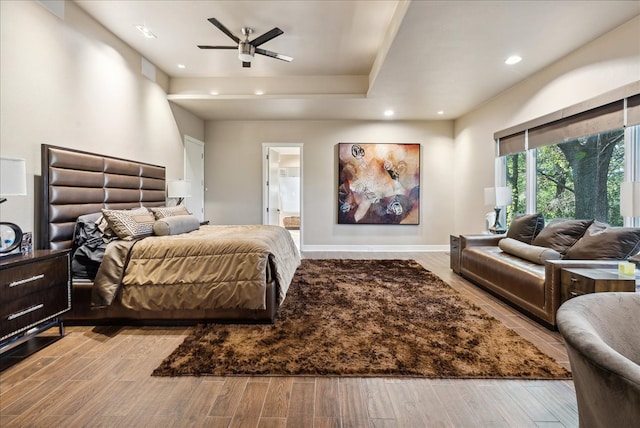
x: 378, y: 183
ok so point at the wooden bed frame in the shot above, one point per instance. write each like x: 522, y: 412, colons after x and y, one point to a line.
x: 75, y: 183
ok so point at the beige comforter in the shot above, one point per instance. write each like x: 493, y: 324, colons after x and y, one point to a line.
x: 212, y: 267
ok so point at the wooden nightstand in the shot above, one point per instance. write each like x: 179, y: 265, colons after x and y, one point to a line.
x: 578, y: 281
x: 35, y: 289
x: 454, y: 251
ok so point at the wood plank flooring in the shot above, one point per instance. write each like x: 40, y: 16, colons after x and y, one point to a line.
x: 100, y: 377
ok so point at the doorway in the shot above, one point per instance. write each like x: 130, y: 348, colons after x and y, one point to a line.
x: 282, y: 200
x: 194, y: 174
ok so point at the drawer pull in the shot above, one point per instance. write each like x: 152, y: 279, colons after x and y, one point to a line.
x: 574, y: 279
x: 26, y: 280
x: 24, y: 312
x: 573, y: 293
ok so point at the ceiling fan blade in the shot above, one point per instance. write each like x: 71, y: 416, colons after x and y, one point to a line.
x: 273, y: 55
x: 224, y: 29
x: 266, y: 37
x: 246, y: 64
x: 217, y: 47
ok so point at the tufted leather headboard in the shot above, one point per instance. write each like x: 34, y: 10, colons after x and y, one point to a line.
x: 77, y: 183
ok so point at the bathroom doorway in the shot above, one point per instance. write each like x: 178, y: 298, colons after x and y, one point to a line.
x: 282, y: 200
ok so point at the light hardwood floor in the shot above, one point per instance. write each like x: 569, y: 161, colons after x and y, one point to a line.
x: 100, y: 377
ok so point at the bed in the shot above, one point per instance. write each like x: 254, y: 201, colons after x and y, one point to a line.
x: 190, y: 274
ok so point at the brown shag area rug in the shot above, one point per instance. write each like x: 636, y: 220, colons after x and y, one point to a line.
x: 365, y: 318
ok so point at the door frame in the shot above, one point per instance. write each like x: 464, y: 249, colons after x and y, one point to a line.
x: 190, y: 140
x: 265, y: 177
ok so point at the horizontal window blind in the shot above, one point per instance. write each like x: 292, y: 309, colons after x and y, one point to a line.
x: 600, y: 114
x: 633, y: 110
x: 600, y: 119
x: 510, y: 144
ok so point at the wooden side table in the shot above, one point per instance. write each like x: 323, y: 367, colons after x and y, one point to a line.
x: 454, y: 251
x: 35, y: 289
x: 578, y: 281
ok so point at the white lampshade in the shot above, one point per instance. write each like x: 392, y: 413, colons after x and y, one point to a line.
x: 630, y: 199
x: 179, y: 189
x: 13, y: 177
x: 497, y: 196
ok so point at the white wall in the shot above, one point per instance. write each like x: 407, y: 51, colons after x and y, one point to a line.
x: 234, y: 177
x: 607, y: 63
x: 70, y: 82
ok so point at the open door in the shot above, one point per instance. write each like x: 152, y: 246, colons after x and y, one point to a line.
x: 194, y: 173
x: 283, y: 186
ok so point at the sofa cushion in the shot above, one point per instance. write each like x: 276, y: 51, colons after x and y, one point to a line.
x: 534, y: 254
x: 518, y: 280
x: 614, y: 243
x: 561, y: 234
x: 525, y: 227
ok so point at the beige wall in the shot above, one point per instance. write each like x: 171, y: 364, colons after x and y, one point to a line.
x: 72, y: 83
x: 607, y: 63
x: 233, y: 159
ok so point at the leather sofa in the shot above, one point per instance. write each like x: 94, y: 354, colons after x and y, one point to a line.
x: 523, y: 267
x: 533, y: 288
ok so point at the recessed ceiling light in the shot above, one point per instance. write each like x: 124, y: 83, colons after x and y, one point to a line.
x: 259, y: 92
x: 513, y: 59
x: 440, y: 112
x: 214, y: 93
x: 182, y: 66
x: 388, y: 113
x: 147, y: 33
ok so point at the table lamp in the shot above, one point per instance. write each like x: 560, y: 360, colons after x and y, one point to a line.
x: 13, y: 182
x: 497, y: 197
x: 179, y: 189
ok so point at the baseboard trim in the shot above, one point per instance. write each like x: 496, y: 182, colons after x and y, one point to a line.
x: 375, y: 248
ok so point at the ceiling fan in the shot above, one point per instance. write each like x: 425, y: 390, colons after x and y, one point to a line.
x: 247, y: 48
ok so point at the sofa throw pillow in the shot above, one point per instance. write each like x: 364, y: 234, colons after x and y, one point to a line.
x: 163, y: 212
x: 561, y: 234
x: 525, y: 227
x: 130, y: 224
x: 537, y: 255
x: 175, y: 225
x: 611, y: 243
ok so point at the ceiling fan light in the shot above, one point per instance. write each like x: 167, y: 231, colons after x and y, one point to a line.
x: 245, y: 51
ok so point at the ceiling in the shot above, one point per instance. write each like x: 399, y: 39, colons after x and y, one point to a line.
x: 425, y: 60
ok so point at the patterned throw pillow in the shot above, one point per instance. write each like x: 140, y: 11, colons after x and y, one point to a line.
x: 163, y: 212
x: 130, y: 224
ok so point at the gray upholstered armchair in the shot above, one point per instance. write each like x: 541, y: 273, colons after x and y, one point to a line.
x: 602, y: 334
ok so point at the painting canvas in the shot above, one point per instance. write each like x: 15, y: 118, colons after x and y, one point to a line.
x: 378, y: 183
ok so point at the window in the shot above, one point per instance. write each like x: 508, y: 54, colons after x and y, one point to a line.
x: 581, y: 178
x: 570, y: 163
x: 516, y: 179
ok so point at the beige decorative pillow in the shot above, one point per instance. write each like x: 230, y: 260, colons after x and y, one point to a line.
x: 130, y: 224
x: 537, y: 255
x: 176, y: 225
x: 163, y: 212
x: 108, y: 234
